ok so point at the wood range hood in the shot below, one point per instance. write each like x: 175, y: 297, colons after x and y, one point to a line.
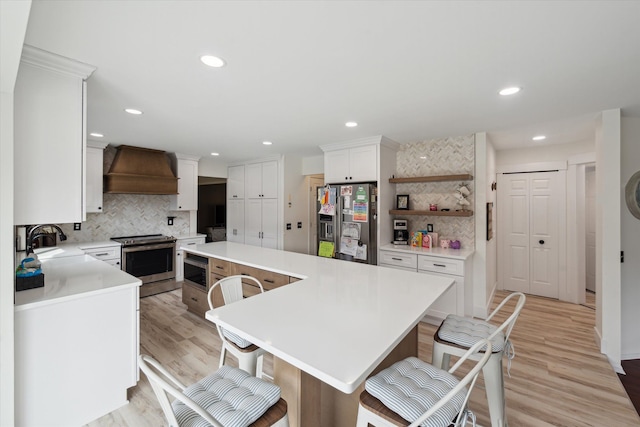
x: 140, y: 171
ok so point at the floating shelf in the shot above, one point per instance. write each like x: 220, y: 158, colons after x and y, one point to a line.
x: 433, y: 178
x: 430, y: 213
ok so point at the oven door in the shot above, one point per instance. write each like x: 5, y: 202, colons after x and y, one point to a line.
x: 150, y: 263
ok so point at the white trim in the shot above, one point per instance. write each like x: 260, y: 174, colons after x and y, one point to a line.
x: 584, y: 158
x: 50, y: 61
x: 97, y: 144
x: 533, y: 167
x: 181, y: 156
x: 370, y: 140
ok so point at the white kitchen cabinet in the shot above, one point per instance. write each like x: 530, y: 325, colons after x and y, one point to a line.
x: 181, y: 243
x: 94, y: 183
x: 452, y: 301
x: 261, y: 180
x: 110, y: 254
x: 235, y: 182
x: 355, y: 164
x: 261, y: 222
x: 49, y: 138
x: 235, y: 220
x: 186, y: 169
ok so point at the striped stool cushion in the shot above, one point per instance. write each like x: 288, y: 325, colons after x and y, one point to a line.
x: 410, y: 387
x: 231, y: 396
x: 465, y: 332
x: 239, y: 341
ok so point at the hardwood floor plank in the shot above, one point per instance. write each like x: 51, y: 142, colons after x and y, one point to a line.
x: 558, y: 377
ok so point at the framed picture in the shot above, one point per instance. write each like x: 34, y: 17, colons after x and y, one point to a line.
x: 402, y: 201
x: 489, y: 221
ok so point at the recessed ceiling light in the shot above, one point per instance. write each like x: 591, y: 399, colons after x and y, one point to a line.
x: 351, y: 124
x: 215, y: 154
x: 133, y: 111
x: 212, y: 61
x: 423, y: 157
x: 266, y: 142
x: 97, y: 135
x: 539, y: 138
x: 510, y: 90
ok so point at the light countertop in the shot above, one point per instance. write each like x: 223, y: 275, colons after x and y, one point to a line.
x: 70, y: 277
x: 336, y: 324
x: 462, y: 254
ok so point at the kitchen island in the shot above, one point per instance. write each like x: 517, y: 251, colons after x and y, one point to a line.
x: 329, y: 331
x: 76, y: 341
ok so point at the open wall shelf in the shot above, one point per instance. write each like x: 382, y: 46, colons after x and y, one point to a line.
x: 430, y: 213
x: 433, y: 178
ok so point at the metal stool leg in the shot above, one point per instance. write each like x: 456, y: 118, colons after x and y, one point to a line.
x: 494, y: 386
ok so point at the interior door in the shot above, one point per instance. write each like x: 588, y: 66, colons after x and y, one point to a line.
x: 528, y: 213
x: 590, y: 224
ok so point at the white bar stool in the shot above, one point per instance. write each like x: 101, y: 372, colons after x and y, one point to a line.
x: 250, y: 356
x: 457, y: 334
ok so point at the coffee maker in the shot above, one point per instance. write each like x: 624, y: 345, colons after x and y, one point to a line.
x: 400, y: 232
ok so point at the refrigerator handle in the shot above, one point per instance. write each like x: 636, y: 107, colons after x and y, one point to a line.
x: 338, y: 229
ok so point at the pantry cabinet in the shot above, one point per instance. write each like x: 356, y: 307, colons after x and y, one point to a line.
x: 95, y: 172
x: 235, y: 182
x: 50, y: 136
x: 261, y: 223
x: 186, y: 169
x: 235, y: 220
x: 261, y: 180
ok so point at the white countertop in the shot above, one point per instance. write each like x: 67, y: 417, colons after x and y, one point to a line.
x: 338, y: 323
x: 70, y: 277
x: 190, y: 236
x: 462, y: 254
x: 66, y: 249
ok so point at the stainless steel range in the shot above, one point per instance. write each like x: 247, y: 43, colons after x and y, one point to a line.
x: 151, y: 258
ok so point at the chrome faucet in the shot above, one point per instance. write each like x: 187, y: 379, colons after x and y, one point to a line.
x: 31, y: 236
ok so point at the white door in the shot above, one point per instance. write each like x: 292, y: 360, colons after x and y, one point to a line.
x: 528, y: 213
x: 590, y: 224
x: 253, y: 222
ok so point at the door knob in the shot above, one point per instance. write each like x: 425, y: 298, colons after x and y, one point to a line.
x: 541, y: 242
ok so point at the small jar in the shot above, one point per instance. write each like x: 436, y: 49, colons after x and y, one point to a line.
x: 433, y: 207
x: 444, y: 243
x: 455, y: 244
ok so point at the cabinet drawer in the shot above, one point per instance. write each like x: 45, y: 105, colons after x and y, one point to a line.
x: 221, y: 267
x: 397, y: 259
x: 185, y: 243
x: 109, y: 252
x: 269, y: 279
x: 195, y: 299
x: 441, y: 265
x: 293, y: 279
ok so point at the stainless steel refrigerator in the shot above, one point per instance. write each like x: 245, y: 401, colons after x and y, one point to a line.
x: 347, y: 222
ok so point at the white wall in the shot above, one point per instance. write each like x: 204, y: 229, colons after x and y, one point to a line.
x: 313, y: 165
x: 479, y: 277
x: 212, y: 168
x: 13, y: 26
x: 630, y: 230
x: 295, y: 205
x: 543, y: 153
x: 491, y: 252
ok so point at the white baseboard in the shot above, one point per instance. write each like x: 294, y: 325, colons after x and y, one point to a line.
x: 630, y: 356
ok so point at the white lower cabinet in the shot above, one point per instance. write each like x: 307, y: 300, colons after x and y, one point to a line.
x: 452, y: 301
x: 261, y: 223
x: 181, y: 243
x: 111, y: 253
x: 235, y: 220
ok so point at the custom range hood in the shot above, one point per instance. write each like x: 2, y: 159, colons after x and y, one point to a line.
x: 140, y: 171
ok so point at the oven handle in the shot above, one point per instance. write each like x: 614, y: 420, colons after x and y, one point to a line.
x: 148, y: 247
x: 196, y: 263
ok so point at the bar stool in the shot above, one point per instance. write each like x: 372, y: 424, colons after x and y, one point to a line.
x: 229, y: 397
x: 250, y: 356
x: 457, y: 334
x: 419, y: 393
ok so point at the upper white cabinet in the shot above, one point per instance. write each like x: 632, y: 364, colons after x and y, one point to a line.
x: 355, y: 164
x: 261, y: 180
x: 186, y: 169
x: 94, y: 183
x: 49, y: 138
x: 235, y: 182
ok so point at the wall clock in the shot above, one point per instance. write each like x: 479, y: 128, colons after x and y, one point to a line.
x: 632, y: 194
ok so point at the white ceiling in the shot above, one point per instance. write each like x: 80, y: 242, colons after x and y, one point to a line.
x: 297, y: 71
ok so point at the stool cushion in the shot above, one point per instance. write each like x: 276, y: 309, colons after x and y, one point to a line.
x: 239, y: 341
x: 410, y: 387
x: 230, y: 395
x: 465, y: 332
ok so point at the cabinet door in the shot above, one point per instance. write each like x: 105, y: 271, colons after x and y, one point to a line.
x: 270, y: 180
x: 253, y: 180
x: 270, y: 223
x: 363, y: 163
x: 94, y: 180
x: 187, y: 197
x: 235, y: 220
x: 451, y: 302
x: 49, y: 140
x: 253, y: 222
x: 235, y: 182
x: 336, y: 166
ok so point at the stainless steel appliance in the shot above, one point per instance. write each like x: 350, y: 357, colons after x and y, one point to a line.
x: 349, y: 220
x: 151, y: 258
x: 400, y: 232
x: 196, y: 271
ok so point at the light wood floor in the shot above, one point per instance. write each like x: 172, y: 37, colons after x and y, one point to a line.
x: 558, y: 377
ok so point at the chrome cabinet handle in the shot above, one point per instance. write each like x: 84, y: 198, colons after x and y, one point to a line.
x: 397, y: 259
x: 439, y: 265
x: 268, y: 281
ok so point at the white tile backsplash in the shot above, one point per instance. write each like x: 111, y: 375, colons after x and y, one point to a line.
x: 448, y: 156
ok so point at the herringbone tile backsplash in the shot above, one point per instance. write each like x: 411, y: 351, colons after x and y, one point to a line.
x: 449, y: 156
